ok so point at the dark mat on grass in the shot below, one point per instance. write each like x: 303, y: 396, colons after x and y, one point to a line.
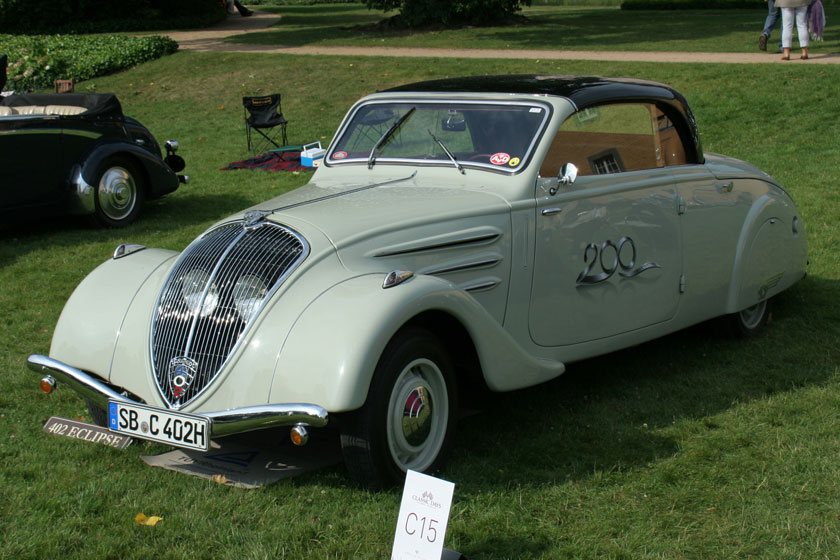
x: 271, y: 161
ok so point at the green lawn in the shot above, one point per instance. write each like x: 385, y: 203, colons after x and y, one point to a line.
x: 549, y: 27
x: 695, y: 446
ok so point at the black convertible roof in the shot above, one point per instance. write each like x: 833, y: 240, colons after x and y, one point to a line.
x: 582, y: 91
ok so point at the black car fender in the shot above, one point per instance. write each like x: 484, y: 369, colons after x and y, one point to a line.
x: 157, y: 177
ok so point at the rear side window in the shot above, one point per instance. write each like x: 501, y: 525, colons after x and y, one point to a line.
x: 615, y: 139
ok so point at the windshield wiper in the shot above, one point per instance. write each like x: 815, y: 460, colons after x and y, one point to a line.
x: 446, y: 151
x: 388, y: 133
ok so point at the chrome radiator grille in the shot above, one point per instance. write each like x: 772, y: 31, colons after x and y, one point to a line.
x: 212, y: 296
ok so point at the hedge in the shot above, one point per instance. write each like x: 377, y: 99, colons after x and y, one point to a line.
x: 35, y: 62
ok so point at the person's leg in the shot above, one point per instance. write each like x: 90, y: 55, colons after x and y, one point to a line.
x: 769, y: 23
x: 788, y: 16
x: 771, y: 19
x: 802, y: 29
x: 243, y: 11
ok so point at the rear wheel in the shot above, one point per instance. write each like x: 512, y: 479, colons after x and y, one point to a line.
x: 118, y: 193
x: 750, y: 321
x: 409, y: 417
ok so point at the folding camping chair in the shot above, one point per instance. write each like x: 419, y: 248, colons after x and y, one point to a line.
x: 265, y: 116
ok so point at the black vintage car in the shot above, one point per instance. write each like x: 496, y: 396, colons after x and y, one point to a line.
x: 75, y: 153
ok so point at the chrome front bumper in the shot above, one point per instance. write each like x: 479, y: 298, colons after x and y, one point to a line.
x: 222, y: 423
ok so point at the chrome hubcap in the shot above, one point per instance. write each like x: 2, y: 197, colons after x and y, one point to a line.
x: 751, y: 316
x: 418, y: 414
x: 117, y: 193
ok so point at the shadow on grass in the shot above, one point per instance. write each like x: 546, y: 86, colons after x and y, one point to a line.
x: 567, y: 29
x: 603, y: 414
x: 166, y: 214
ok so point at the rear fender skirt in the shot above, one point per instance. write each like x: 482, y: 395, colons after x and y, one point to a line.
x: 771, y: 253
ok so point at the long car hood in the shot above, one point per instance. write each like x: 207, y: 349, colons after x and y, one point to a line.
x: 394, y: 214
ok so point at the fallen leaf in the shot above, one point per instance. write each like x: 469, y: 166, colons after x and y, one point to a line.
x: 141, y: 519
x: 219, y: 479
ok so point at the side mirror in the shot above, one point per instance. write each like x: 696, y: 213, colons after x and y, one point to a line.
x: 568, y: 174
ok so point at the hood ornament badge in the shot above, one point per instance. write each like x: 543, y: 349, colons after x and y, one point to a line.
x: 255, y: 218
x: 182, y: 371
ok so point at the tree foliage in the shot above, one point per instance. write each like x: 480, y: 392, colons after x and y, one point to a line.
x: 449, y: 13
x: 87, y: 16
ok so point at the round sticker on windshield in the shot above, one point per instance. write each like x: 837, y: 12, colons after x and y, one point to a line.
x: 514, y: 161
x: 499, y: 158
x: 339, y: 155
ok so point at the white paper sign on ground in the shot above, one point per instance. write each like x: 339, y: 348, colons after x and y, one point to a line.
x: 424, y: 514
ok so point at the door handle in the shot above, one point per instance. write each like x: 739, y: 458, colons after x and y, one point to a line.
x: 551, y: 211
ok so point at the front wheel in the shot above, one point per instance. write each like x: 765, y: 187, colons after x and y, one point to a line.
x: 119, y: 193
x: 409, y: 418
x: 97, y: 415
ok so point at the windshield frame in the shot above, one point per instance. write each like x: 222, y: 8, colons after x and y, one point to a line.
x: 408, y: 102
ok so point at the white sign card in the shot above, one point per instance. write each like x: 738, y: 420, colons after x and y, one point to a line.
x: 424, y: 514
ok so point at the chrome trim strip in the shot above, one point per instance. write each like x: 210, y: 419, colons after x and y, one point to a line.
x: 342, y: 193
x: 486, y: 263
x: 481, y: 286
x: 126, y: 249
x: 222, y: 423
x: 82, y: 133
x: 474, y: 240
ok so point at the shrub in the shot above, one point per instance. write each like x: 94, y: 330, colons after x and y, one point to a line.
x: 36, y: 62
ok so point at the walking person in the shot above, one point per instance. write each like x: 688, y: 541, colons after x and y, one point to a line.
x: 794, y: 10
x: 769, y: 23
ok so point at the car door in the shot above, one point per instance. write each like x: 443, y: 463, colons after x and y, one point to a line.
x: 608, y: 246
x: 30, y: 145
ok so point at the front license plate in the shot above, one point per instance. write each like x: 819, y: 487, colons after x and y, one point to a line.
x: 174, y: 428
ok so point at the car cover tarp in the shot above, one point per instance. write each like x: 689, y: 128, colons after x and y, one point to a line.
x: 99, y: 105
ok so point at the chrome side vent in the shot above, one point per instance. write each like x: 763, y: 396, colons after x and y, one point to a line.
x: 214, y: 292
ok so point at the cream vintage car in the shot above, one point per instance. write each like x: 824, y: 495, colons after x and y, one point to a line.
x: 460, y: 235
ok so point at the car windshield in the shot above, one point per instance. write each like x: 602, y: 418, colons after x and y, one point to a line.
x: 483, y: 134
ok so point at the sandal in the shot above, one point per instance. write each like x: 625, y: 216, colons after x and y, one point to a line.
x: 804, y: 57
x: 785, y: 58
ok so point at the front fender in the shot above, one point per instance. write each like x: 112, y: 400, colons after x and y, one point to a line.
x: 331, y: 352
x: 91, y: 321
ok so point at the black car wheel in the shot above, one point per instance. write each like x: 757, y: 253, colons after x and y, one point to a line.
x: 409, y: 417
x: 119, y: 193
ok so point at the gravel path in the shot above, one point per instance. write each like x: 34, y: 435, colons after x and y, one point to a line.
x: 211, y: 40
